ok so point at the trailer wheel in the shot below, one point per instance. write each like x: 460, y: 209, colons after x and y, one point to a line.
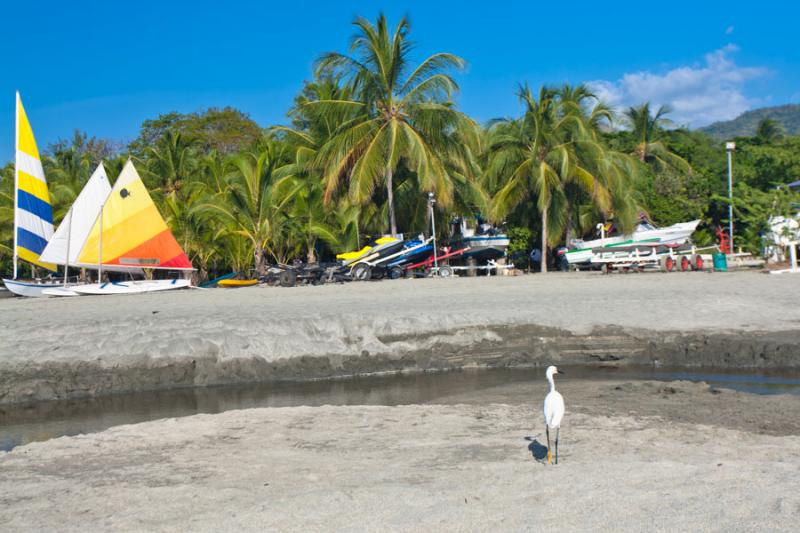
x: 685, y: 264
x: 697, y: 262
x: 395, y: 273
x: 288, y: 278
x: 362, y: 272
x: 667, y: 264
x: 445, y: 271
x: 563, y: 264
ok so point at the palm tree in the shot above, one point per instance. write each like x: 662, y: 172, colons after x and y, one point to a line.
x: 199, y: 240
x: 254, y: 203
x: 769, y: 130
x: 6, y: 211
x: 170, y: 162
x: 401, y: 117
x: 647, y: 129
x: 550, y: 150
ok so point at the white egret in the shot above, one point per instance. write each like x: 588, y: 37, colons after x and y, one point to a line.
x: 553, y: 411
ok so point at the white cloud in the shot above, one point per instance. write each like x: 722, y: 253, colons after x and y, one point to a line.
x: 699, y: 94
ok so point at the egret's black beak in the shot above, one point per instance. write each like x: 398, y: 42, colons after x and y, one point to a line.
x: 560, y: 372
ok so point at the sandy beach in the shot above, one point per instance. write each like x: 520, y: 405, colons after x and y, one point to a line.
x: 633, y: 457
x: 88, y: 346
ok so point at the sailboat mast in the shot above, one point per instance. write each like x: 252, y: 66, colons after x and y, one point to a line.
x: 66, y: 258
x: 16, y: 176
x: 100, y: 248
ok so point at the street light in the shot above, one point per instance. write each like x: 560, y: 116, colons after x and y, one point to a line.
x: 730, y: 147
x: 431, y: 201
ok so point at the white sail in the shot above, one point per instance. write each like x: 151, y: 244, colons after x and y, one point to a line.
x: 78, y: 222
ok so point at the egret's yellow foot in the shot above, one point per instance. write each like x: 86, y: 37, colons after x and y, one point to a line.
x: 549, y: 457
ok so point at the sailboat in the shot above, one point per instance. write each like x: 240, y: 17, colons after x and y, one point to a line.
x: 131, y: 235
x: 65, y: 245
x: 33, y: 214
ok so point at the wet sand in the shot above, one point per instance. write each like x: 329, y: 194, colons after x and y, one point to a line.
x: 633, y: 456
x: 72, y: 348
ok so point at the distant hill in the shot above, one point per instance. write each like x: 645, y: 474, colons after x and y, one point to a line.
x: 745, y: 124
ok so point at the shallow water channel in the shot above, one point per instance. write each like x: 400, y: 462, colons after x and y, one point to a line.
x: 46, y: 420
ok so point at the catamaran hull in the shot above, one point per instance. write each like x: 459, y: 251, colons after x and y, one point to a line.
x: 28, y: 288
x: 676, y: 234
x: 132, y: 287
x: 60, y: 291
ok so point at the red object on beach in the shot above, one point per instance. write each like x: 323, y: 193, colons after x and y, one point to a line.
x: 429, y: 261
x: 724, y: 240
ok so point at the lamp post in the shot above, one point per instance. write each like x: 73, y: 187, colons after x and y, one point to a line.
x: 431, y: 201
x: 730, y: 147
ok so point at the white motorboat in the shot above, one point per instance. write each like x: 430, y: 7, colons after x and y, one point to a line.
x: 645, y: 234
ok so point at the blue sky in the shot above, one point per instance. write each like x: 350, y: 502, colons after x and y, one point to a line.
x: 104, y: 67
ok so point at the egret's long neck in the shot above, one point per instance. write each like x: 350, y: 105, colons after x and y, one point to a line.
x: 552, y: 383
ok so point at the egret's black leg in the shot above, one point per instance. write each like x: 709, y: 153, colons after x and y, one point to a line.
x: 558, y: 430
x: 549, y: 455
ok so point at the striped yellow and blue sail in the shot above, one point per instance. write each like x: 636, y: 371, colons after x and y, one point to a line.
x: 33, y: 213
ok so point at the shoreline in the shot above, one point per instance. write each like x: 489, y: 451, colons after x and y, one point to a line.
x: 105, y: 345
x: 592, y: 390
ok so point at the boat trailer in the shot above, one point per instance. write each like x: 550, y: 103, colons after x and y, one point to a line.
x: 660, y: 257
x: 431, y: 267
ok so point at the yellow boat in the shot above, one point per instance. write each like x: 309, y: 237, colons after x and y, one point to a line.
x: 234, y: 283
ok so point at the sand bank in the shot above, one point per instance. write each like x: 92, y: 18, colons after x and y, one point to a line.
x: 52, y: 349
x: 436, y: 467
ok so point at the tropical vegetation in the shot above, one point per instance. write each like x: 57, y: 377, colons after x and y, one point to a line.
x: 374, y: 131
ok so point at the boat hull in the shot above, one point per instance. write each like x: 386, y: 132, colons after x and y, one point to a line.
x: 414, y: 255
x: 132, y: 287
x: 483, y: 248
x: 60, y: 291
x: 234, y: 283
x: 29, y: 289
x: 676, y: 234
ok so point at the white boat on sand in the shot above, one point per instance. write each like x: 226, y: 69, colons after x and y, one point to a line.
x: 131, y: 287
x: 130, y: 235
x: 645, y: 234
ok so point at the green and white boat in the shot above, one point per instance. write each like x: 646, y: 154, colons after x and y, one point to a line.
x: 645, y: 235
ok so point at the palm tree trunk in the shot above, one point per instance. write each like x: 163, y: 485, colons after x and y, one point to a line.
x: 569, y: 223
x: 311, y: 256
x: 258, y: 260
x: 390, y: 199
x: 544, y: 239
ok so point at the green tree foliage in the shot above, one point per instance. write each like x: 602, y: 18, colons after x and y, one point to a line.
x: 402, y: 117
x: 227, y: 130
x: 554, y: 154
x: 374, y: 131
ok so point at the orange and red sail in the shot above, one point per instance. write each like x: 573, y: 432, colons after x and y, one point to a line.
x: 130, y: 231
